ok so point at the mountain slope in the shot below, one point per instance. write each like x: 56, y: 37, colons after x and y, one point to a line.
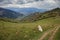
x: 29, y: 31
x: 39, y: 16
x: 5, y: 13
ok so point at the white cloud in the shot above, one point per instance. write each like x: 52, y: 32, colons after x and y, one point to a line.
x: 45, y: 4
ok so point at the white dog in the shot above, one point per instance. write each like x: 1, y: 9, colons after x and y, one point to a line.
x: 40, y: 28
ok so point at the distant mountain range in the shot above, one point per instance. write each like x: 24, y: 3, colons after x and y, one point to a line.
x: 6, y: 13
x: 39, y: 16
x: 34, y: 16
x: 27, y: 11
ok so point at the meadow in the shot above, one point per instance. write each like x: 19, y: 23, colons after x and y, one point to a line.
x: 29, y: 30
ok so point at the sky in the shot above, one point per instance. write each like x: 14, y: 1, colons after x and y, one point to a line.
x: 40, y: 4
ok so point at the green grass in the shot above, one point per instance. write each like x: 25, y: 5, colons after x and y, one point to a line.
x: 57, y: 36
x: 26, y: 31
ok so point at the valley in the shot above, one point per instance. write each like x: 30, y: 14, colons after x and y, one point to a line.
x: 28, y: 29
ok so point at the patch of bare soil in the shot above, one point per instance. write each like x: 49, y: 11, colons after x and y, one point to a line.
x: 54, y: 32
x: 46, y: 33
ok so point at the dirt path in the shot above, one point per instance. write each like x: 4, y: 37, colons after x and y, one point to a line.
x: 54, y: 32
x: 46, y: 33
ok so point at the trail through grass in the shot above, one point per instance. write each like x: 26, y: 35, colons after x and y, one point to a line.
x: 26, y: 31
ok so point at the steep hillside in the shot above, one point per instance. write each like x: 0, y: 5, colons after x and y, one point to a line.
x: 5, y: 13
x: 39, y: 16
x: 30, y: 31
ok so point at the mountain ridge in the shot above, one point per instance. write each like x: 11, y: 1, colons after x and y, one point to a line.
x: 9, y: 13
x: 27, y: 11
x: 39, y: 16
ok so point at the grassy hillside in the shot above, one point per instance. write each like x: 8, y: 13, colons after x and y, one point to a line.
x: 27, y: 31
x: 50, y: 23
x: 39, y: 16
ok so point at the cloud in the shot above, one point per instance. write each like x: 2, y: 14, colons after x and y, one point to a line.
x: 41, y: 4
x: 58, y: 2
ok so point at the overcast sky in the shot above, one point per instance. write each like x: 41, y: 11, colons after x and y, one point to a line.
x: 41, y: 4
